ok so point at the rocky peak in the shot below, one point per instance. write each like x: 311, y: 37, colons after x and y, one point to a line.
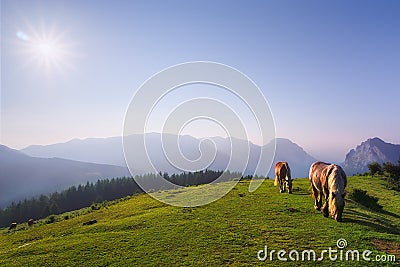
x: 373, y: 149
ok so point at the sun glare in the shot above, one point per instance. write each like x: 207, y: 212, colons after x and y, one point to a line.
x: 46, y: 50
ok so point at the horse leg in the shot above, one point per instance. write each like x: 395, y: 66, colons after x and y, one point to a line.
x: 320, y: 196
x: 281, y: 186
x: 325, y: 208
x: 317, y: 203
x: 289, y: 186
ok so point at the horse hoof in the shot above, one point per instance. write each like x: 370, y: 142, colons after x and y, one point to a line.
x: 326, y: 215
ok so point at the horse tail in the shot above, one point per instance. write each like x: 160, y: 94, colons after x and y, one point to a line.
x: 276, y: 181
x: 288, y: 174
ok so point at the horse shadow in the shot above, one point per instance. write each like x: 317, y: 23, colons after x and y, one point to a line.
x: 300, y: 191
x: 373, y: 220
x: 390, y: 214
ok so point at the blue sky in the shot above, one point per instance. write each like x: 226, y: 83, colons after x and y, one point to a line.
x: 329, y: 70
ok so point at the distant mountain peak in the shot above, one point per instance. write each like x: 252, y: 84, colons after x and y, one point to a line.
x: 5, y: 148
x: 375, y: 140
x: 284, y: 139
x: 7, y: 152
x: 288, y: 142
x: 372, y: 150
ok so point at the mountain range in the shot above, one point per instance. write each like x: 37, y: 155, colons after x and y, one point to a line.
x: 41, y: 169
x: 110, y: 151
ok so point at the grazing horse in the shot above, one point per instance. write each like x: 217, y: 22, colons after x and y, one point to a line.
x: 283, y: 176
x: 329, y: 181
x: 12, y: 226
x: 31, y: 222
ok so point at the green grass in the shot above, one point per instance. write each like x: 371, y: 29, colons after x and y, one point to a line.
x: 140, y: 231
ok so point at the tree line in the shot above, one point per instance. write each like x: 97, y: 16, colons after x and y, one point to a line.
x: 77, y: 197
x: 389, y: 171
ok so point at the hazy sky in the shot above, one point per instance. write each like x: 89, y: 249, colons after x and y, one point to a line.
x: 329, y: 70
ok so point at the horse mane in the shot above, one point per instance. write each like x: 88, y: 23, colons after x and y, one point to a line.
x: 336, y: 182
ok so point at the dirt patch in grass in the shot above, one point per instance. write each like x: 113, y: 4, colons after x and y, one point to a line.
x: 389, y: 247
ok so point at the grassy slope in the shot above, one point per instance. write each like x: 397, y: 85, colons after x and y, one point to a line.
x: 141, y: 231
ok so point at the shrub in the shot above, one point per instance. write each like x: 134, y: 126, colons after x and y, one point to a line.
x: 375, y: 168
x: 95, y: 206
x: 51, y: 219
x: 393, y: 183
x: 361, y: 196
x: 392, y: 172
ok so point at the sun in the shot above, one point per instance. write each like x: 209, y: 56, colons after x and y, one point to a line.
x: 46, y: 50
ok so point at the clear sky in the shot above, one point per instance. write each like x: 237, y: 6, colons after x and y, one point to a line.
x: 330, y: 70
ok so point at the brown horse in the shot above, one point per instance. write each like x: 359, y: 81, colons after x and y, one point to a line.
x: 283, y: 176
x: 328, y: 180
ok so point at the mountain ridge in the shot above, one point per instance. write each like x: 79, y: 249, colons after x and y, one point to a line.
x: 110, y: 151
x: 371, y: 150
x: 23, y: 176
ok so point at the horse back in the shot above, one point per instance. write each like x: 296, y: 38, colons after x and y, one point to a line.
x: 282, y: 169
x: 317, y: 174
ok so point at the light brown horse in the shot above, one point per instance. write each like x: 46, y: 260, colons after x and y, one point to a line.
x: 329, y: 181
x: 283, y: 176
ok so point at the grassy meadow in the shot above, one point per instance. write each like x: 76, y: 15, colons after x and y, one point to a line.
x: 140, y: 231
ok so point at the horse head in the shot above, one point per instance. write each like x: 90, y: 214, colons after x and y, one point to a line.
x: 337, y: 182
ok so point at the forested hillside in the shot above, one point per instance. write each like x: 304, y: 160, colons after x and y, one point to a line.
x: 76, y: 197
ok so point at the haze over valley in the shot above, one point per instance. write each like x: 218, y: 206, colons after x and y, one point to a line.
x: 41, y: 169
